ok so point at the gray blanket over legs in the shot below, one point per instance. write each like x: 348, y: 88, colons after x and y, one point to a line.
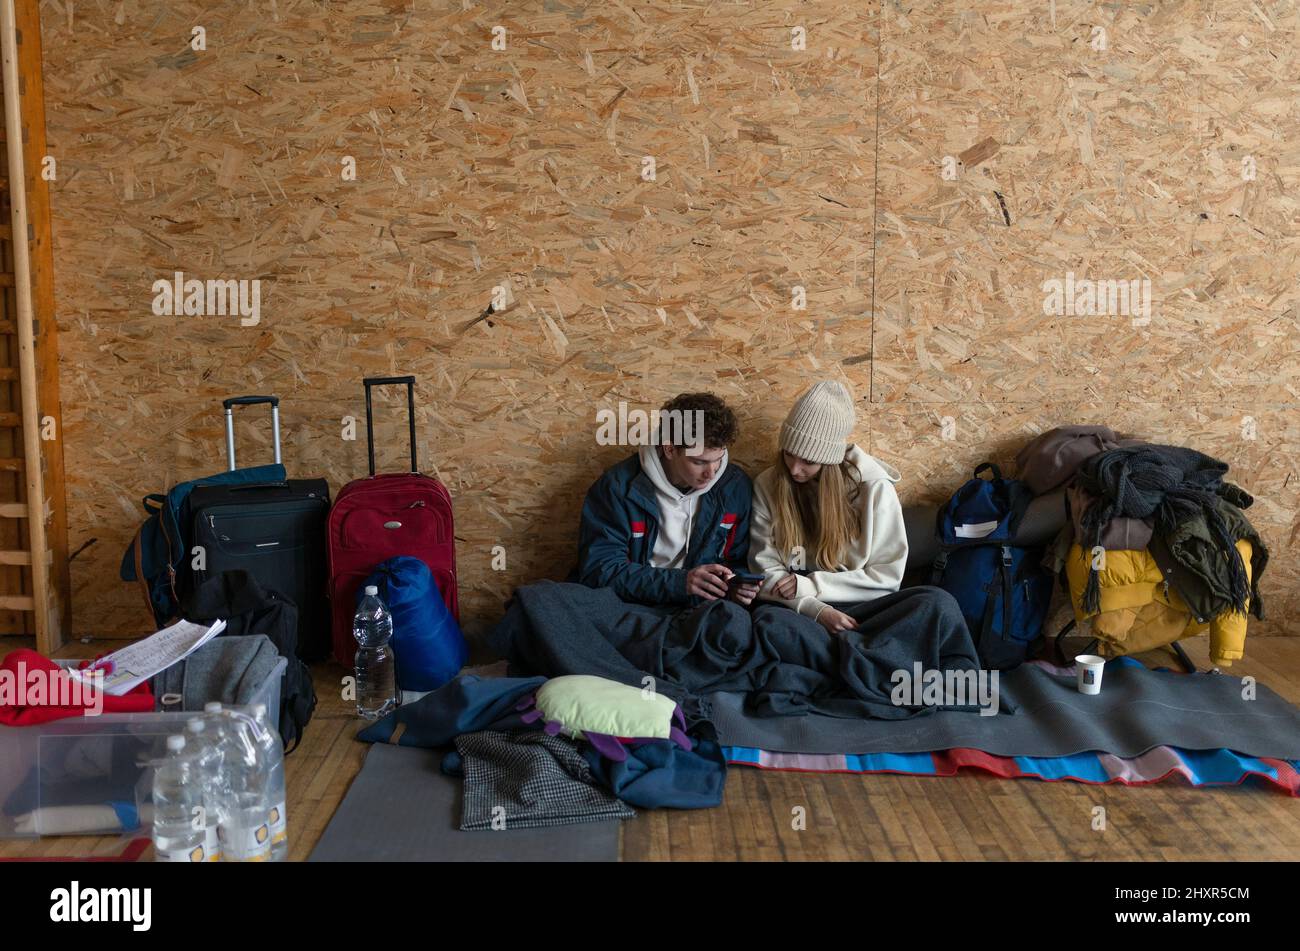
x: 785, y: 664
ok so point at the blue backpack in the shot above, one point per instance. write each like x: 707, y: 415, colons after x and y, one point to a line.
x: 158, y: 558
x: 1003, y: 590
x: 427, y: 642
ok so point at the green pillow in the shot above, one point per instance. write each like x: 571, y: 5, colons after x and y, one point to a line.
x: 580, y: 702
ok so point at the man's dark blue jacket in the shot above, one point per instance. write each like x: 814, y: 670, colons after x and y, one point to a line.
x: 620, y: 521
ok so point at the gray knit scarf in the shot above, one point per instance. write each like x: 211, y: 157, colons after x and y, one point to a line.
x: 1167, y: 483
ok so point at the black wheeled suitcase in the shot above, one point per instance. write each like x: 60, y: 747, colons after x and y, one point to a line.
x: 273, y: 530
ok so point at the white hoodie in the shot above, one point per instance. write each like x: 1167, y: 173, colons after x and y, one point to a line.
x: 676, y: 510
x: 873, y: 565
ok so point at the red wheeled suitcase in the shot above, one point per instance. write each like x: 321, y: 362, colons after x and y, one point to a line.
x: 381, y: 516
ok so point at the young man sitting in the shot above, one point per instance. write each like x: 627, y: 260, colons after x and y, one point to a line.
x: 670, y: 523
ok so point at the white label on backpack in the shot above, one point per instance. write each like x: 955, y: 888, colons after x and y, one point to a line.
x: 393, y: 524
x: 195, y: 853
x: 252, y: 844
x: 277, y: 821
x: 974, y: 530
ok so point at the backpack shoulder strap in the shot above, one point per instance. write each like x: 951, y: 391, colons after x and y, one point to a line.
x: 297, y: 704
x: 1005, y: 568
x: 140, y: 579
x: 937, y: 569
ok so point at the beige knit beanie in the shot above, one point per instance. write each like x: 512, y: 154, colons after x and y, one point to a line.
x: 819, y: 424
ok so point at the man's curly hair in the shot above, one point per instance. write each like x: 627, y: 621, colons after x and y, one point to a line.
x: 720, y: 426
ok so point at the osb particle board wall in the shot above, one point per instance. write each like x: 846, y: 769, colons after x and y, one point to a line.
x: 775, y: 168
x: 1105, y: 140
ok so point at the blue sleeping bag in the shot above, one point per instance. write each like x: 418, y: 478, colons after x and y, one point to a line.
x: 428, y: 645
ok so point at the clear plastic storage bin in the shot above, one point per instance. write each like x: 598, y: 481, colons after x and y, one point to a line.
x: 78, y: 776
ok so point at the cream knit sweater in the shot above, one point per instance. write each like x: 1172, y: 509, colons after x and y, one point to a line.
x: 873, y: 566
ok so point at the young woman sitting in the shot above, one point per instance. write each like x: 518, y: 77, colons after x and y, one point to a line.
x: 827, y: 528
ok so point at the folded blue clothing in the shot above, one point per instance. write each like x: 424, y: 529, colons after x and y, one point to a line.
x: 467, y: 704
x: 660, y: 774
x: 656, y: 772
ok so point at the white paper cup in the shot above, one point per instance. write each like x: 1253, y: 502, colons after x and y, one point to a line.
x: 1089, y: 668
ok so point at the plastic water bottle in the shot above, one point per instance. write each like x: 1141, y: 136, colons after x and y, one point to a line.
x: 273, y: 763
x: 177, y: 802
x: 202, y: 744
x: 376, y: 670
x: 243, y: 828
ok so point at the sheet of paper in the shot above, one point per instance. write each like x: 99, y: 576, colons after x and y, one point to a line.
x: 127, y: 668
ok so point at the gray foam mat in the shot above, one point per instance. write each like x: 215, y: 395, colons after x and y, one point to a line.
x: 401, y: 808
x: 1136, y: 710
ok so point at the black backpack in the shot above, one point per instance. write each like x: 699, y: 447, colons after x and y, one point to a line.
x: 248, y: 608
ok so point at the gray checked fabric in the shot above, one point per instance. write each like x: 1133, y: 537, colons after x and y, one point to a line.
x: 531, y: 779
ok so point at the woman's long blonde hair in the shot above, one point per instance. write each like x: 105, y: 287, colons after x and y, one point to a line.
x: 827, y: 543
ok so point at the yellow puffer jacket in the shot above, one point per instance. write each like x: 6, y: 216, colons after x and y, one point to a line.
x: 1139, y: 612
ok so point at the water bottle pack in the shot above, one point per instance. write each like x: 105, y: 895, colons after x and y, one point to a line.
x: 219, y: 793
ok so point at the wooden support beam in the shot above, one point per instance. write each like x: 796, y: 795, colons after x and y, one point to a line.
x: 49, y: 403
x: 47, y: 641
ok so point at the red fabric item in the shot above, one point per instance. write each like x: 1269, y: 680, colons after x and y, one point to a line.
x: 138, y: 700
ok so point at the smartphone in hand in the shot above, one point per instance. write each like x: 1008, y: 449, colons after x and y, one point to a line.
x: 744, y: 577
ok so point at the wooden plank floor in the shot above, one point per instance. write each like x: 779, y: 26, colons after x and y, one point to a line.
x: 851, y: 817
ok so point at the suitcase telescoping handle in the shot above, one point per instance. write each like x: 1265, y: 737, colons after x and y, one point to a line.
x: 410, y: 413
x: 230, y: 405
